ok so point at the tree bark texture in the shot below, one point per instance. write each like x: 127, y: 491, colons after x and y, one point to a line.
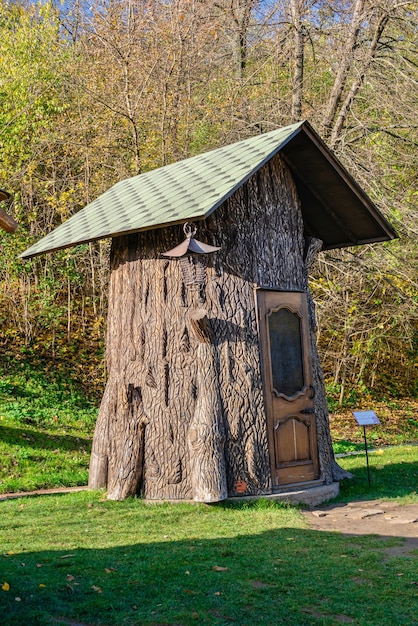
x: 206, y: 435
x: 330, y: 470
x: 298, y: 59
x: 183, y: 415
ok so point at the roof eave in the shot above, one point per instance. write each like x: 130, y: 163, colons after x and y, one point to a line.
x: 334, y: 207
x: 350, y: 181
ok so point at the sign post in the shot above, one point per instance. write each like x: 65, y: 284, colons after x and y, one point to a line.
x: 366, y: 418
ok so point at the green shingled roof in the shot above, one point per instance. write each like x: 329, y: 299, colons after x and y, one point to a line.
x: 192, y: 189
x: 186, y: 190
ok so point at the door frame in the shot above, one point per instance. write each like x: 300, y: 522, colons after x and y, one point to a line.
x: 299, y: 405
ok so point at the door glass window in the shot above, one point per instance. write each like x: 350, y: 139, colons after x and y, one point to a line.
x: 286, y: 351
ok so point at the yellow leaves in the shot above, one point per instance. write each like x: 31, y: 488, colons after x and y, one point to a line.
x: 62, y: 202
x: 5, y: 586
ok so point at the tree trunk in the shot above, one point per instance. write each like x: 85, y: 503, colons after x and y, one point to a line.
x: 346, y: 62
x: 183, y: 413
x: 358, y: 81
x: 298, y: 60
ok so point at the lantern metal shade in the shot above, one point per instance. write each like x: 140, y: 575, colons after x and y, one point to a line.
x: 190, y: 245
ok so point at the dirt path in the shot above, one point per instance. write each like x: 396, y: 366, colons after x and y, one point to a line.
x: 40, y: 492
x: 371, y: 517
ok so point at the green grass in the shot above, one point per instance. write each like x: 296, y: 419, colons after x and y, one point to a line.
x: 46, y: 426
x: 79, y: 559
x: 31, y: 460
x: 393, y: 474
x: 31, y: 398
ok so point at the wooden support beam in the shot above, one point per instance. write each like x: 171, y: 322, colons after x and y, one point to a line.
x: 7, y: 223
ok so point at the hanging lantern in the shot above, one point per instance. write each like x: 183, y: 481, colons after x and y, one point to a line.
x: 191, y: 253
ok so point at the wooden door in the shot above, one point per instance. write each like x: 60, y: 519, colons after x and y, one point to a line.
x: 288, y: 389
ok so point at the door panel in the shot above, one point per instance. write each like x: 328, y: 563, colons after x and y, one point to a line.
x: 288, y: 390
x: 284, y: 328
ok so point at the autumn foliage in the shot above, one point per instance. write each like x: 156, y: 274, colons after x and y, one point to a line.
x: 94, y: 92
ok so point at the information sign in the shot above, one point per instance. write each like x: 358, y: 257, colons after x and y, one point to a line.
x: 366, y: 418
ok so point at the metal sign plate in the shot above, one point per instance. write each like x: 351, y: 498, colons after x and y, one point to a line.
x: 366, y: 418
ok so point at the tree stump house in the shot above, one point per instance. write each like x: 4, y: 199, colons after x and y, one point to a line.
x: 214, y: 382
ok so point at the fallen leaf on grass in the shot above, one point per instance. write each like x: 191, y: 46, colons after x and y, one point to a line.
x: 217, y: 568
x: 109, y: 570
x: 18, y: 599
x: 67, y: 556
x: 96, y: 589
x: 5, y: 586
x: 69, y: 577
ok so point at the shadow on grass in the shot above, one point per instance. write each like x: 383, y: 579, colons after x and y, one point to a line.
x: 40, y: 440
x: 284, y: 576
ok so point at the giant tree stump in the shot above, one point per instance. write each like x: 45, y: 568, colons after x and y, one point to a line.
x: 183, y: 413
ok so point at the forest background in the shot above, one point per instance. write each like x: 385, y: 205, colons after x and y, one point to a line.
x: 94, y: 92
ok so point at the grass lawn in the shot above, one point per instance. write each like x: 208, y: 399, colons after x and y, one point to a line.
x: 393, y: 475
x: 79, y: 559
x: 46, y: 427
